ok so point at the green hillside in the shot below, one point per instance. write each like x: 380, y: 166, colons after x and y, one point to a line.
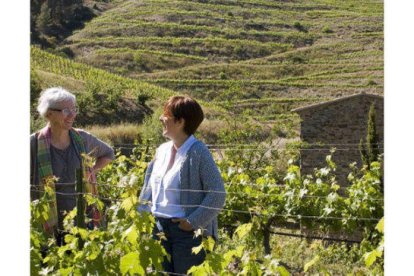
x: 248, y: 63
x: 109, y: 103
x: 251, y: 61
x: 232, y: 51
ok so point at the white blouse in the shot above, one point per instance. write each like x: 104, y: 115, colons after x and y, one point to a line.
x: 166, y: 185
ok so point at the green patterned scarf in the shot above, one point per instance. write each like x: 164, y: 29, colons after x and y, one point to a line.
x: 46, y: 177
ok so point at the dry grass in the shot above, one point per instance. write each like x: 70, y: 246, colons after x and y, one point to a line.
x: 117, y: 134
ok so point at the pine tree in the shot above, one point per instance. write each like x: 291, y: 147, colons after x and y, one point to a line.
x: 44, y: 20
x: 372, y: 136
x: 370, y: 151
x: 363, y: 152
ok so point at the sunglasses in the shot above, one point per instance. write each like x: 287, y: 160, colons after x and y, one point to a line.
x: 66, y: 111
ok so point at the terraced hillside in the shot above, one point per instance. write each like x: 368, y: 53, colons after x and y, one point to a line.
x: 104, y: 98
x: 258, y: 58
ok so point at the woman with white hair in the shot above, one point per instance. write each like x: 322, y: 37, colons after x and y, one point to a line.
x: 56, y: 152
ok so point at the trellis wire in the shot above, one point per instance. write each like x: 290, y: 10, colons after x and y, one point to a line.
x: 226, y: 209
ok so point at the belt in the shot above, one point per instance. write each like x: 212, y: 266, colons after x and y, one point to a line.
x: 159, y: 220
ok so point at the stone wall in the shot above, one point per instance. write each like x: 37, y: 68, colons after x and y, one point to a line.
x: 341, y: 124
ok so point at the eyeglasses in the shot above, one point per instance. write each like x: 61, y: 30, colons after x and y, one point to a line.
x: 163, y: 118
x: 66, y: 111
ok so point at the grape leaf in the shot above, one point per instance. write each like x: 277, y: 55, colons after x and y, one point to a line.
x: 243, y: 230
x: 311, y: 263
x: 130, y: 264
x: 380, y: 226
x: 371, y: 257
x: 282, y: 271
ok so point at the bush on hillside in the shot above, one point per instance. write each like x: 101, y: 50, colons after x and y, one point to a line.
x: 327, y: 30
x: 222, y: 75
x: 142, y: 99
x: 35, y: 87
x: 152, y: 129
x: 297, y: 25
x: 36, y: 122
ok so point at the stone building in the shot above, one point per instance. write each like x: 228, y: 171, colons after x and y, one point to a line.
x: 339, y: 123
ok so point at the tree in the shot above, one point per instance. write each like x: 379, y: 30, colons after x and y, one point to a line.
x: 370, y: 151
x: 44, y: 20
x: 56, y: 10
x: 35, y: 87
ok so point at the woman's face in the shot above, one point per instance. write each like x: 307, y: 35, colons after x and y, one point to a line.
x: 171, y: 128
x: 62, y: 115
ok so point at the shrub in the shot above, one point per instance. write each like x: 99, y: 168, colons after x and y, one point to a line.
x: 298, y: 58
x: 142, y: 99
x: 98, y: 102
x: 297, y: 25
x: 152, y: 129
x: 327, y: 30
x: 36, y: 122
x: 35, y: 87
x: 371, y: 82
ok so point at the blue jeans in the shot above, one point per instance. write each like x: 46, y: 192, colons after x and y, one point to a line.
x: 179, y: 246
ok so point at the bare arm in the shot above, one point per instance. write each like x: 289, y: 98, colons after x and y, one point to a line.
x: 100, y: 163
x: 102, y: 152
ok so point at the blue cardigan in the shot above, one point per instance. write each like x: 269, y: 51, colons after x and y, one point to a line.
x: 198, y: 172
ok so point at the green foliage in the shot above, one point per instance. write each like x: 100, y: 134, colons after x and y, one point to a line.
x: 376, y: 255
x: 262, y: 57
x: 45, y: 61
x: 266, y: 49
x: 297, y: 25
x: 327, y: 30
x: 53, y: 20
x: 38, y: 240
x: 233, y: 92
x: 222, y: 76
x: 44, y: 20
x: 125, y: 245
x: 313, y: 201
x: 98, y: 101
x: 311, y: 263
x: 372, y: 136
x: 363, y: 152
x: 36, y: 122
x: 365, y: 196
x: 35, y: 87
x: 241, y: 251
x: 103, y: 98
x: 371, y: 82
x: 120, y: 248
x: 152, y: 128
x: 370, y: 150
x: 142, y: 99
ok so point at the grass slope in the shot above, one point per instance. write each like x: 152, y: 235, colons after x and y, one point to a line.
x: 226, y: 51
x: 120, y: 103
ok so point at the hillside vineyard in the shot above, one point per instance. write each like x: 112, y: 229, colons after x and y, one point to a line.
x: 254, y: 66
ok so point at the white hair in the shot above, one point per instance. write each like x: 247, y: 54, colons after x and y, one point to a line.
x: 51, y: 96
